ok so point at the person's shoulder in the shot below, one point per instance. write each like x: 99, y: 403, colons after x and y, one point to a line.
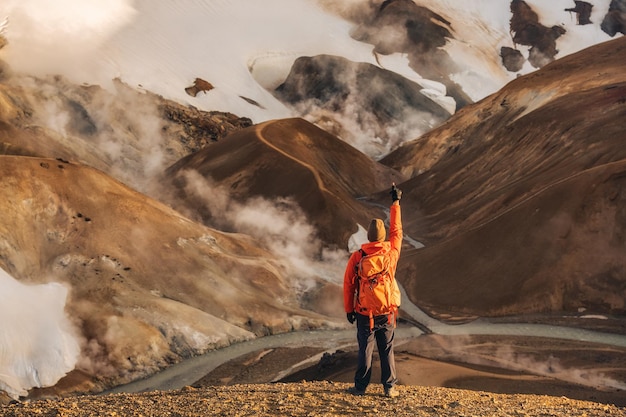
x: 373, y: 247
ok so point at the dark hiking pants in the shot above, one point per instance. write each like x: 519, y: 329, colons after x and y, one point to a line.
x: 382, y: 334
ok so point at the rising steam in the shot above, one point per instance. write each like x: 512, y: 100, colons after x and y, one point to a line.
x: 37, y: 342
x: 279, y: 225
x: 61, y: 37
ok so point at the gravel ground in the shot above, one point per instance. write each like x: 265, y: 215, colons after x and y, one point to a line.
x: 310, y: 399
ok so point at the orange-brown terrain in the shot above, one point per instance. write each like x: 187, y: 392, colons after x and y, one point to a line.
x: 180, y: 232
x: 525, y: 188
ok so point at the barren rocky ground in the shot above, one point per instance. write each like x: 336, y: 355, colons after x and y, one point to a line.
x: 311, y: 399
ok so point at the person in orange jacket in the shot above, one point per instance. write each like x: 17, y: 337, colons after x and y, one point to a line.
x: 378, y: 329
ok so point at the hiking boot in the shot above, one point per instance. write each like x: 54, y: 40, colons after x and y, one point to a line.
x: 355, y: 391
x: 391, y: 392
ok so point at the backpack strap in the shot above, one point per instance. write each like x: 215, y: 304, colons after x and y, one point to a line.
x: 356, y: 265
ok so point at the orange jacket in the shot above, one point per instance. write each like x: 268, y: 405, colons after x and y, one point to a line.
x: 394, y: 245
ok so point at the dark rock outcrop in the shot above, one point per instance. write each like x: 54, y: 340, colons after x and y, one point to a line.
x: 377, y: 99
x: 333, y: 81
x: 528, y: 31
x: 401, y: 26
x: 512, y: 59
x: 583, y: 12
x: 615, y: 20
x: 199, y: 85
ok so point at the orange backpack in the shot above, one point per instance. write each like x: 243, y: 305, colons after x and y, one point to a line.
x: 375, y: 287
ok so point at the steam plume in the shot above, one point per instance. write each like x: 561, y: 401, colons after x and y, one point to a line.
x: 280, y: 225
x: 54, y: 37
x: 37, y: 343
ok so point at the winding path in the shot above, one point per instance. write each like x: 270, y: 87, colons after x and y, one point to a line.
x: 261, y: 128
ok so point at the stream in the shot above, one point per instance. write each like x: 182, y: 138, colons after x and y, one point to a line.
x: 191, y: 370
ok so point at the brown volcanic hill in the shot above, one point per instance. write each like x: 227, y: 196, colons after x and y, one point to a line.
x: 562, y: 249
x: 167, y: 287
x: 526, y: 184
x: 296, y: 160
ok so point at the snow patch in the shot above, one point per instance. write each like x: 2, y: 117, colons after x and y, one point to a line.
x: 577, y: 37
x: 356, y: 240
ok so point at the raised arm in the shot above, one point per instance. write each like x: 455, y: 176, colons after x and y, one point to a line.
x: 395, y: 226
x: 395, y: 219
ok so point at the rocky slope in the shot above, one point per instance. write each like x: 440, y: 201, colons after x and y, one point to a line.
x: 129, y: 134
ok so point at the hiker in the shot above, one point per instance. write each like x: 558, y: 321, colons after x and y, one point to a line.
x: 372, y: 299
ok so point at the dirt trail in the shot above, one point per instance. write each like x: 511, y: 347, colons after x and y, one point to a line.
x: 320, y: 184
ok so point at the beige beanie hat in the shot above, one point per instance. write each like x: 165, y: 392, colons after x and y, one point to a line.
x: 376, y: 231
